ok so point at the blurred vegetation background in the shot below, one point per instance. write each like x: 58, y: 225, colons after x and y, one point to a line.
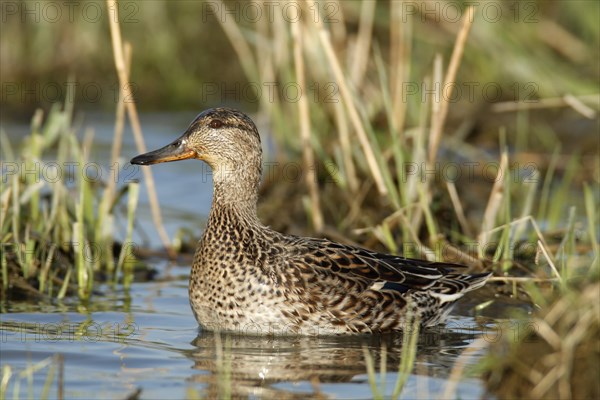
x: 528, y: 79
x: 179, y: 48
x: 526, y: 98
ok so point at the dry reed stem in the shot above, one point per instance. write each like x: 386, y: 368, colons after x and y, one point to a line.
x: 568, y: 100
x: 494, y: 202
x: 459, y: 367
x: 118, y: 132
x: 5, y: 203
x: 545, y: 331
x: 563, y: 41
x: 264, y: 49
x: 344, y: 137
x: 350, y: 106
x: 422, y: 374
x: 464, y: 258
x: 269, y: 51
x: 363, y: 43
x: 125, y: 93
x: 458, y: 208
x: 556, y: 312
x: 566, y: 343
x: 383, y: 364
x: 437, y: 121
x: 455, y: 58
x: 400, y: 50
x: 303, y: 111
x: 338, y: 30
x: 315, y: 383
x: 358, y: 199
x: 541, y: 241
x: 61, y: 377
x: 520, y: 279
x: 419, y: 158
x: 546, y: 383
x: 579, y: 106
x: 551, y: 363
x: 396, y: 218
x: 548, y: 258
x: 239, y: 43
x: 530, y: 187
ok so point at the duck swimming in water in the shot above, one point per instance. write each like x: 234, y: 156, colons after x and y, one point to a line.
x: 249, y: 278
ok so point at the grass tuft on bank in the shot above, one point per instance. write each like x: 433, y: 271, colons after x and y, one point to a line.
x: 57, y: 232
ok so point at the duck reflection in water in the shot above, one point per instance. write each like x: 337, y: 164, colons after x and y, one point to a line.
x: 300, y: 367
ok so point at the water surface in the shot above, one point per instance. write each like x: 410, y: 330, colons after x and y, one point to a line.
x: 147, y: 338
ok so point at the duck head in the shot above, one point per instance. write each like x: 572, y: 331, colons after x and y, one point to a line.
x: 219, y: 136
x: 228, y: 141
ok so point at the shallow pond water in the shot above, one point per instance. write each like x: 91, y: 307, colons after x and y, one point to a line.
x: 147, y: 338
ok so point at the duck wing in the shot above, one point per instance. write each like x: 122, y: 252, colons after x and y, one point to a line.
x: 381, y: 271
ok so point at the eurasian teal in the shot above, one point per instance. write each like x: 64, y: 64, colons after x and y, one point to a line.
x: 249, y: 278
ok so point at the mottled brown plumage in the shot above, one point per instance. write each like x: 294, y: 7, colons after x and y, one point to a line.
x: 248, y: 278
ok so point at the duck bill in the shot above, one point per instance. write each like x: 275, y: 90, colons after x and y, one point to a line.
x: 178, y: 150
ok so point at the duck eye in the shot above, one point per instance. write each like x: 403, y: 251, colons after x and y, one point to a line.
x: 216, y: 123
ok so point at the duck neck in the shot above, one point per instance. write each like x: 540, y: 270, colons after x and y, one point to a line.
x: 236, y: 192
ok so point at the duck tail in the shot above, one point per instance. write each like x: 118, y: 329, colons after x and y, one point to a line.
x: 475, y: 281
x: 452, y: 287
